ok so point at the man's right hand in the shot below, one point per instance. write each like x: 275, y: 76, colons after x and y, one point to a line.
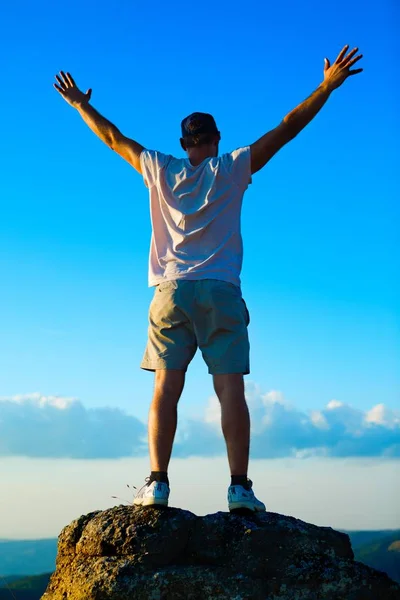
x: 104, y: 129
x: 70, y: 92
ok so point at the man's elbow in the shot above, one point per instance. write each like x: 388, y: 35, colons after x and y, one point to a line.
x: 114, y: 139
x: 289, y: 129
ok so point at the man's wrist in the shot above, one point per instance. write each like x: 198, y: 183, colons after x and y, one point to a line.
x: 326, y: 87
x: 80, y: 105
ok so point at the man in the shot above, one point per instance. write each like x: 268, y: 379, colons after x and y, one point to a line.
x: 195, y: 264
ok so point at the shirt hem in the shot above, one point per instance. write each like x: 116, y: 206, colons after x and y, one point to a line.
x: 195, y: 276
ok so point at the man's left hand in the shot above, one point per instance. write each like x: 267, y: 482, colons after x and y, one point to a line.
x: 336, y: 74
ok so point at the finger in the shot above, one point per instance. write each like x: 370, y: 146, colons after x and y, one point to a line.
x: 349, y: 56
x: 65, y: 79
x: 342, y: 53
x: 355, y: 71
x: 351, y: 62
x: 61, y: 82
x: 327, y: 64
x: 89, y: 93
x: 70, y: 79
x: 59, y: 89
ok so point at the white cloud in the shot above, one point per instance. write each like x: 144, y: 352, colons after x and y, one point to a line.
x: 61, y: 427
x: 279, y: 429
x: 213, y: 412
x: 334, y: 404
x: 275, y: 397
x: 37, y: 399
x: 310, y: 453
x: 319, y: 420
x: 54, y: 426
x: 381, y: 415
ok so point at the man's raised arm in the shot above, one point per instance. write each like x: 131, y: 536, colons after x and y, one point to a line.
x: 269, y: 144
x: 106, y: 131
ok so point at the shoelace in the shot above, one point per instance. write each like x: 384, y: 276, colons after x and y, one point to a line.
x: 147, y: 480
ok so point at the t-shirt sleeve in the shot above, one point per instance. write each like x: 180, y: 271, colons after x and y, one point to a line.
x: 151, y: 163
x: 238, y: 166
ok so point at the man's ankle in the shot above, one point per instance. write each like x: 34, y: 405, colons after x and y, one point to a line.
x: 159, y: 476
x: 240, y: 480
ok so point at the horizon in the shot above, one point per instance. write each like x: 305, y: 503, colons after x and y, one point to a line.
x: 368, y: 482
x: 2, y: 540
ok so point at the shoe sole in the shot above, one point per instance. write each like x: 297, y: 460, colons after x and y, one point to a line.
x: 151, y: 502
x: 238, y: 505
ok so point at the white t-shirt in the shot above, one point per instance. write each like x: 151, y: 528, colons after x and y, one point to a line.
x: 195, y: 215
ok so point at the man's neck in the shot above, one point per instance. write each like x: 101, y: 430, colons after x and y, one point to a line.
x: 197, y: 155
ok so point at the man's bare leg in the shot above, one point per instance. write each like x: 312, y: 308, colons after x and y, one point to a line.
x: 163, y: 416
x: 235, y: 420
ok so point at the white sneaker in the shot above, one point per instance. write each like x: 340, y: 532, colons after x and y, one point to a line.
x: 239, y: 497
x: 155, y: 493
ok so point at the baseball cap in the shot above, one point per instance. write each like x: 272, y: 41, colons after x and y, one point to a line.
x: 197, y: 123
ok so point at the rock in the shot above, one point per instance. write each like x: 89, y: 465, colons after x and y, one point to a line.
x: 127, y: 553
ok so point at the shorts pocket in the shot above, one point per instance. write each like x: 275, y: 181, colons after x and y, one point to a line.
x: 226, y: 287
x: 165, y: 286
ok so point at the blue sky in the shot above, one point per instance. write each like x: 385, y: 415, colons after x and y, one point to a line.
x: 320, y: 221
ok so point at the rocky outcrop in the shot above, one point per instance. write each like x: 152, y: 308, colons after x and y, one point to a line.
x: 127, y: 553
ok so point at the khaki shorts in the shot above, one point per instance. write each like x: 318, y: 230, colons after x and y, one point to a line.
x: 208, y: 314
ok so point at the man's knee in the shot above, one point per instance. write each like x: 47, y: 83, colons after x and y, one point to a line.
x: 228, y: 385
x: 169, y: 383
